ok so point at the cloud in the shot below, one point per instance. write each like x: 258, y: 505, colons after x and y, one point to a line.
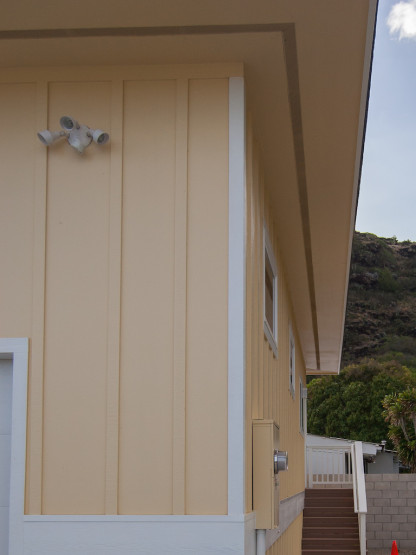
x: 402, y: 19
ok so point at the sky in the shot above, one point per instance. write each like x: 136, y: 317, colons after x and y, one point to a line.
x: 387, y: 201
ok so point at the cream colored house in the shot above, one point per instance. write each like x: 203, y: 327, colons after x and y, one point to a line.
x: 163, y: 295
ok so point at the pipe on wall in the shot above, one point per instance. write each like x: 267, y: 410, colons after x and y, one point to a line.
x: 260, y: 542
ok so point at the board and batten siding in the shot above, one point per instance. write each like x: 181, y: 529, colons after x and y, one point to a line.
x: 290, y: 541
x: 115, y: 265
x: 267, y: 377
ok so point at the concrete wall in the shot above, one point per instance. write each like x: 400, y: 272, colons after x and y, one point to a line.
x: 391, y: 500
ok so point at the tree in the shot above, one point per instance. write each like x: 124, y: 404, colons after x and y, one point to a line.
x: 400, y: 413
x: 349, y: 405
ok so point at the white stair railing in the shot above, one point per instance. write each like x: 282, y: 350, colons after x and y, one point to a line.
x: 328, y: 466
x: 360, y: 497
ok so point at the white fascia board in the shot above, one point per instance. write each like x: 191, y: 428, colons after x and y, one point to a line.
x: 365, y: 95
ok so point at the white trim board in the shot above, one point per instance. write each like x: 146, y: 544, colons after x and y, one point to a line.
x: 17, y: 350
x: 236, y: 297
x: 138, y: 535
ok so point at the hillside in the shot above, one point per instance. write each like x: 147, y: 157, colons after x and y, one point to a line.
x: 381, y: 308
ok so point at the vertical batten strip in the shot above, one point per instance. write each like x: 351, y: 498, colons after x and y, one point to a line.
x: 255, y: 285
x: 35, y: 421
x: 114, y: 300
x: 236, y: 298
x: 179, y: 327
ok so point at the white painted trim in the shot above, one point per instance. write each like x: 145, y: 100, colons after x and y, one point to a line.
x: 187, y: 519
x: 17, y: 349
x: 302, y: 409
x: 236, y: 297
x: 144, y: 535
x: 271, y: 334
x: 292, y: 362
x: 362, y: 122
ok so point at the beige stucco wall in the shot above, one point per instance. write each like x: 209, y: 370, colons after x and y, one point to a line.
x: 268, y: 394
x: 114, y: 263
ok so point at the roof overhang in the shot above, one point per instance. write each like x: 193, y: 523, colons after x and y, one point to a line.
x: 307, y: 66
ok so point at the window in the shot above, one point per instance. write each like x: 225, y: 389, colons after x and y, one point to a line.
x: 303, y: 394
x: 270, y: 293
x: 292, y: 386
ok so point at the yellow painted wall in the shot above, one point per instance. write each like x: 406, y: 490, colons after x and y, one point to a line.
x: 207, y: 300
x: 17, y: 197
x: 267, y: 385
x: 109, y: 260
x: 290, y: 541
x: 114, y: 263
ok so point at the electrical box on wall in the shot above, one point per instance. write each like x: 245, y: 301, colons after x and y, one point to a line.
x: 267, y: 462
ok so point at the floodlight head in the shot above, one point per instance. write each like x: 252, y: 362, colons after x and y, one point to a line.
x: 79, y: 138
x: 68, y: 123
x: 48, y: 137
x: 99, y: 136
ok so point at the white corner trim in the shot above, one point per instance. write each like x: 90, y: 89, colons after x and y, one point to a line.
x: 17, y: 349
x: 236, y: 297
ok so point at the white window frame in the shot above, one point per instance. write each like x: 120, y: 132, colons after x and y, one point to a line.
x: 292, y: 362
x: 271, y: 334
x: 302, y: 407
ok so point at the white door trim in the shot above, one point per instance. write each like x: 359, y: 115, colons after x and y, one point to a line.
x: 17, y: 349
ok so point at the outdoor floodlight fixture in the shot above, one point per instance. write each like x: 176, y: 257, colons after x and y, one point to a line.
x: 78, y: 136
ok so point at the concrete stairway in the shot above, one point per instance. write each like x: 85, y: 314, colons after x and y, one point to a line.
x: 329, y: 522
